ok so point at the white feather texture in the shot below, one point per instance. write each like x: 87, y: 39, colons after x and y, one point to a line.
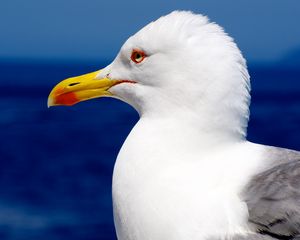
x: 180, y: 171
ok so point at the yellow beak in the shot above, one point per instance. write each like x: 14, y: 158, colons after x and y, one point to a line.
x: 76, y: 89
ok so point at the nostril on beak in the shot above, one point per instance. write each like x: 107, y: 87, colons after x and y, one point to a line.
x: 73, y: 84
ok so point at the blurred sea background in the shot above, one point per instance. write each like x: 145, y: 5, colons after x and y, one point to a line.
x: 56, y: 164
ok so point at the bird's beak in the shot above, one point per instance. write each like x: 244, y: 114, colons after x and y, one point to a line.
x: 76, y: 89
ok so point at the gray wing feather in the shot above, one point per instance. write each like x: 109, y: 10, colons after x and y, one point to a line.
x: 246, y: 237
x: 252, y: 237
x: 273, y: 198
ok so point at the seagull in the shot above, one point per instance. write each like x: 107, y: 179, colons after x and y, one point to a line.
x: 186, y: 170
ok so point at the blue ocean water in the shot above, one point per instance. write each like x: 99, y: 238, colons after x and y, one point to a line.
x: 56, y: 164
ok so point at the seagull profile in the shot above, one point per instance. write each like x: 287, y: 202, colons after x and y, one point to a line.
x: 186, y: 170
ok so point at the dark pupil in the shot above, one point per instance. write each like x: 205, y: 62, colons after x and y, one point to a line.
x: 138, y: 56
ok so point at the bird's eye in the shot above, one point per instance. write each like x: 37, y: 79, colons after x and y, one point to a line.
x: 137, y: 56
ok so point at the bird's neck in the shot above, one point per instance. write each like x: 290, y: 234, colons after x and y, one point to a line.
x: 186, y: 131
x: 209, y: 120
x: 205, y: 128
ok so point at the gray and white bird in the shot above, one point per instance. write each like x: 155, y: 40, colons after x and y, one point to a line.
x: 186, y: 170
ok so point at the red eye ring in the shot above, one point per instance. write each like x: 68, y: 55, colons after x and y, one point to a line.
x: 137, y: 56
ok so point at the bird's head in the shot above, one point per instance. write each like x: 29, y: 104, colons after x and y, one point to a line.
x: 178, y: 63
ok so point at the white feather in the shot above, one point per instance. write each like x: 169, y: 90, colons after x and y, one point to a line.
x: 179, y: 174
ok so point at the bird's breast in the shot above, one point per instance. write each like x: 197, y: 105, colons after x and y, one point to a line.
x: 163, y: 192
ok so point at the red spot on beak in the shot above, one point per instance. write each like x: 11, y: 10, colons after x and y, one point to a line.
x: 68, y: 99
